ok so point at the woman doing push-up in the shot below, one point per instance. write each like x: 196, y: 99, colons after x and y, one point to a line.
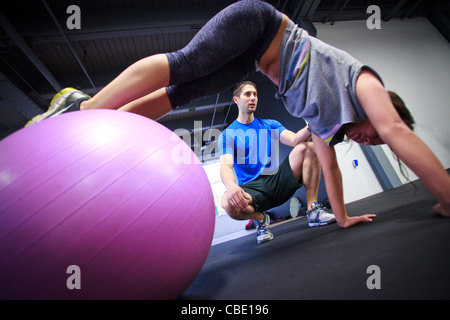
x: 335, y: 93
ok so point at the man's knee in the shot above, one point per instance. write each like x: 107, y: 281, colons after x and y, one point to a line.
x: 310, y: 153
x: 229, y: 209
x: 301, y: 148
x: 298, y: 153
x: 301, y: 154
x: 225, y: 205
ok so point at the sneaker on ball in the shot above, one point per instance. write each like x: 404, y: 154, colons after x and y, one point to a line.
x: 62, y: 102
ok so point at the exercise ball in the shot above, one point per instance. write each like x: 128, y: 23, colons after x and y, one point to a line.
x: 101, y: 204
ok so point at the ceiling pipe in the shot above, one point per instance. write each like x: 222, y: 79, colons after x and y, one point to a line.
x: 21, y: 43
x: 407, y: 14
x: 340, y: 12
x: 44, y: 2
x: 214, y: 115
x: 394, y: 11
x: 312, y: 9
x: 226, y: 116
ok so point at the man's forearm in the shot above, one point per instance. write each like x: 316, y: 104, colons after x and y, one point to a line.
x: 292, y: 139
x: 227, y: 176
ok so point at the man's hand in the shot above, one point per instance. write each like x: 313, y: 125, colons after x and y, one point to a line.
x: 289, y: 138
x: 351, y: 221
x: 238, y: 198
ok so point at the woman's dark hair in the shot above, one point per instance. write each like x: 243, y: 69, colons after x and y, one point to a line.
x: 402, y: 110
x: 406, y: 116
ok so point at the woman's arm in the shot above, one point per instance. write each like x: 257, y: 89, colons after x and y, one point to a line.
x: 333, y: 184
x: 403, y: 141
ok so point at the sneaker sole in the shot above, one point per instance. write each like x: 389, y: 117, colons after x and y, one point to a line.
x: 270, y: 237
x: 293, y: 207
x: 47, y: 115
x: 55, y: 105
x: 265, y: 240
x: 318, y: 224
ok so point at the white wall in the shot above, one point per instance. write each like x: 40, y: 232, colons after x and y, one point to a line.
x: 413, y: 59
x: 359, y: 182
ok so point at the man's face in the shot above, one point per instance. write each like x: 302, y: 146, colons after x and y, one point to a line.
x: 247, y: 100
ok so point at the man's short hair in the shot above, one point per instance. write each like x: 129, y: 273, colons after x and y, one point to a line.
x: 238, y: 89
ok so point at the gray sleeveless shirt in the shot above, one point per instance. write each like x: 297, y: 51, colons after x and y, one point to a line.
x: 317, y: 82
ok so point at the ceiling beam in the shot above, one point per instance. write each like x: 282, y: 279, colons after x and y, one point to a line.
x: 395, y: 10
x: 119, y: 24
x: 22, y: 44
x: 308, y: 8
x: 80, y: 63
x: 12, y: 97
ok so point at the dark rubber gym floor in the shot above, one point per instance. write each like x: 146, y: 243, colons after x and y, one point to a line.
x: 407, y: 241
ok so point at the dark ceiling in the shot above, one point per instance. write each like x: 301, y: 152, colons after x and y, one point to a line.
x: 40, y: 55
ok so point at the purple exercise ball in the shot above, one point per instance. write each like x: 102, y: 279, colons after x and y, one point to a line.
x: 117, y: 195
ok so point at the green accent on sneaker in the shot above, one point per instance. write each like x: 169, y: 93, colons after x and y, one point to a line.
x: 60, y: 103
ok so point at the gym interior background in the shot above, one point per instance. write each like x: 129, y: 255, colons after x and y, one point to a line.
x: 40, y: 55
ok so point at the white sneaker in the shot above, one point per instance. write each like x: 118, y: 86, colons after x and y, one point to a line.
x: 319, y: 216
x: 263, y: 233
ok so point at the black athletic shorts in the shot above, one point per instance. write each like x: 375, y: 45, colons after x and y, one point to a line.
x: 269, y: 191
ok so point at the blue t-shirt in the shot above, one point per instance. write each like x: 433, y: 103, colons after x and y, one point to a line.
x: 254, y: 146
